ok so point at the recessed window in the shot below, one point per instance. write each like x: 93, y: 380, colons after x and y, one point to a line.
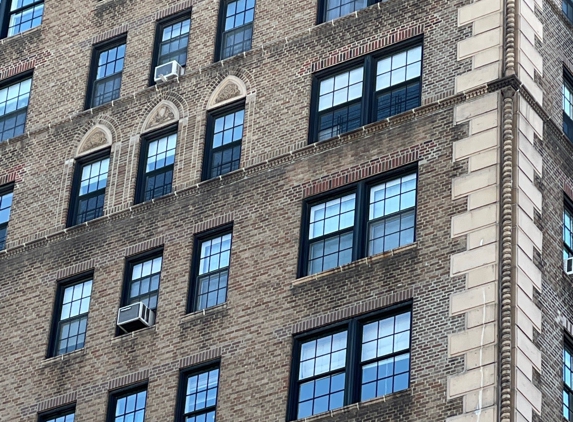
x: 143, y: 283
x: 171, y: 41
x: 19, y: 16
x: 567, y: 232
x: 367, y: 219
x: 567, y: 6
x: 6, y: 195
x: 128, y: 405
x: 198, y: 394
x: 106, y: 72
x: 71, y: 315
x: 88, y: 188
x: 356, y: 361
x: 376, y: 87
x: 14, y: 99
x: 211, y: 269
x: 235, y: 27
x: 59, y: 415
x: 568, y: 105
x: 567, y: 381
x: 155, y: 177
x: 223, y: 145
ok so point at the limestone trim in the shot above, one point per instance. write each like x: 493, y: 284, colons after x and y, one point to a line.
x: 98, y: 137
x: 163, y: 114
x: 229, y: 90
x: 479, y: 224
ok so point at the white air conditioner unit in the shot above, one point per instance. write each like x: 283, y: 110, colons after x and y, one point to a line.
x: 168, y: 71
x: 568, y: 265
x: 134, y: 317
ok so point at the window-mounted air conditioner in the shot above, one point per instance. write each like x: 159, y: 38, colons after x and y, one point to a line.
x: 167, y: 71
x: 568, y: 265
x: 135, y: 316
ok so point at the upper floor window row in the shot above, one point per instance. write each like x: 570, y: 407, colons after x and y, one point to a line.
x: 332, y: 9
x: 17, y: 16
x: 372, y: 89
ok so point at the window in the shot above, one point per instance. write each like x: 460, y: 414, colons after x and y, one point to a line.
x: 353, y: 362
x: 6, y: 195
x: 568, y: 105
x: 19, y: 16
x: 157, y: 156
x: 367, y: 219
x: 332, y: 9
x: 14, y: 99
x: 372, y: 89
x: 59, y: 415
x: 71, y: 315
x: 105, y: 73
x: 211, y: 271
x: 567, y: 6
x: 567, y: 381
x: 567, y: 232
x: 235, y: 27
x: 171, y: 40
x: 88, y: 189
x: 223, y: 145
x: 198, y: 394
x: 142, y: 284
x: 128, y: 405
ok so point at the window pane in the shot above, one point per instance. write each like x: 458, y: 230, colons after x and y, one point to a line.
x: 338, y: 8
x: 14, y: 108
x: 144, y: 283
x: 567, y: 232
x: 226, y: 144
x: 131, y: 407
x: 201, y: 395
x: 73, y: 317
x: 323, y: 355
x: 22, y: 20
x: 238, y: 28
x: 174, y: 41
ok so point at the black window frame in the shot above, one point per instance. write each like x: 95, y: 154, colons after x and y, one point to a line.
x: 160, y: 26
x: 567, y: 120
x: 352, y: 368
x: 142, y: 173
x: 184, y: 374
x: 6, y: 14
x: 567, y: 347
x: 57, y: 309
x: 92, y: 74
x: 193, y: 296
x: 118, y: 394
x: 567, y: 209
x: 212, y: 116
x: 80, y: 163
x: 360, y: 228
x: 220, y: 44
x: 131, y: 262
x: 321, y: 12
x: 4, y: 190
x: 6, y: 83
x: 369, y: 94
x: 67, y: 410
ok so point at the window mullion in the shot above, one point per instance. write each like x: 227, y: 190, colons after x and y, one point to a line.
x: 360, y: 222
x: 352, y: 358
x: 368, y: 90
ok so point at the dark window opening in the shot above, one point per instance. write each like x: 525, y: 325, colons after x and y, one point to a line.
x: 235, y: 27
x: 106, y: 73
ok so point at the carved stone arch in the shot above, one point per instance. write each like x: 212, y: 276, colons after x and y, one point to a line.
x: 229, y: 90
x: 96, y: 138
x: 162, y: 114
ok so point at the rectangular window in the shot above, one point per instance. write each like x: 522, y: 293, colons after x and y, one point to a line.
x: 155, y: 177
x: 88, y: 189
x: 211, y: 270
x: 223, y: 144
x: 6, y: 195
x: 198, y: 394
x: 14, y: 99
x: 567, y: 6
x: 359, y: 360
x: 376, y: 87
x: 105, y: 74
x: 171, y: 41
x: 567, y: 381
x: 19, y: 16
x: 568, y: 105
x: 235, y: 27
x: 142, y: 285
x: 59, y: 415
x: 567, y: 232
x: 368, y: 219
x: 128, y: 405
x: 71, y: 315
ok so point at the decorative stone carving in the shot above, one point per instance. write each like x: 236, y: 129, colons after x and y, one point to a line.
x: 230, y: 89
x: 97, y: 137
x: 165, y: 112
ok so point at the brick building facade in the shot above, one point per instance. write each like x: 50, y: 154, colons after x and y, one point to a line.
x: 338, y: 210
